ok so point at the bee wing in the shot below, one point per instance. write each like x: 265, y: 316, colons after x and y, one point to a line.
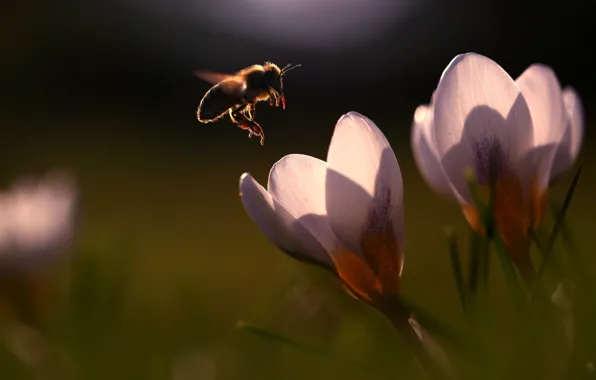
x: 212, y: 77
x: 233, y: 86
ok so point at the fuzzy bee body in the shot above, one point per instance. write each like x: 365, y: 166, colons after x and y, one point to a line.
x: 219, y: 99
x: 237, y: 95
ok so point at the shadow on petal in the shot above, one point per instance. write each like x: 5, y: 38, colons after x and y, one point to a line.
x: 481, y: 149
x: 298, y: 228
x: 279, y: 225
x: 353, y: 270
x: 489, y: 144
x: 503, y: 165
x: 564, y: 158
x: 375, y: 240
x: 308, y: 249
x: 535, y: 169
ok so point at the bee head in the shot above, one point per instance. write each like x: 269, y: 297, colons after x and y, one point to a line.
x: 274, y: 78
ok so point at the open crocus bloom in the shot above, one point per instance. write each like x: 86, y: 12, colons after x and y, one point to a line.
x: 345, y: 214
x: 516, y: 136
x: 36, y: 218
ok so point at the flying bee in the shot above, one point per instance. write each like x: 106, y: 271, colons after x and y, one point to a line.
x: 237, y: 95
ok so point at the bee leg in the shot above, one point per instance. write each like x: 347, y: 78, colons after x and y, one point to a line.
x: 251, y: 111
x: 246, y: 124
x: 275, y: 98
x: 238, y: 123
x: 272, y: 99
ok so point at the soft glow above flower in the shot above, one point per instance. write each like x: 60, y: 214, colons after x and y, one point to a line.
x: 515, y: 135
x: 37, y: 217
x: 345, y: 214
x: 326, y: 24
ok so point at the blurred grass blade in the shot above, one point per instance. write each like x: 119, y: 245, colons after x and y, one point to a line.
x: 480, y: 247
x: 305, y: 346
x: 569, y: 242
x: 454, y: 257
x: 474, y: 261
x: 485, y: 268
x: 537, y: 239
x: 559, y: 221
x: 509, y: 271
x: 481, y: 204
x: 541, y: 249
x: 270, y: 335
x: 566, y: 234
x: 439, y: 329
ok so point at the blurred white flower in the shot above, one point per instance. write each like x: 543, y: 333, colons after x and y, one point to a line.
x: 345, y: 214
x: 37, y: 217
x: 516, y: 136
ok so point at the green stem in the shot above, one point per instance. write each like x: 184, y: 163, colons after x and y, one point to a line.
x: 555, y: 231
x: 509, y: 272
x: 454, y: 257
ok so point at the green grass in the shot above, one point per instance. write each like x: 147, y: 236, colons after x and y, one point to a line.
x: 166, y: 262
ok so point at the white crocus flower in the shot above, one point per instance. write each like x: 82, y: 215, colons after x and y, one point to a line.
x: 36, y: 218
x: 516, y: 136
x: 345, y: 213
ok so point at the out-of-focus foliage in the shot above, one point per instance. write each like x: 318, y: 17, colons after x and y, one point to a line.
x: 166, y: 262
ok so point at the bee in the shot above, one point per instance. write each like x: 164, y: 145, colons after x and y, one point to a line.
x: 237, y: 95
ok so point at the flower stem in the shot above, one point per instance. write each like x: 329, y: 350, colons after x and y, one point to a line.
x: 555, y: 231
x: 399, y: 317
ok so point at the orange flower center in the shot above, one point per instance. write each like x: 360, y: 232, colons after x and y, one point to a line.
x: 375, y: 276
x: 514, y: 215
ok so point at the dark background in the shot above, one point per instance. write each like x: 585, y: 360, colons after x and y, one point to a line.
x: 104, y: 88
x: 101, y: 56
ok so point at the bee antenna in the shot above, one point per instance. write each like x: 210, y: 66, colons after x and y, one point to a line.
x: 288, y: 67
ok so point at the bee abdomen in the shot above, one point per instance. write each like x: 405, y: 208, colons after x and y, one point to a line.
x: 215, y: 104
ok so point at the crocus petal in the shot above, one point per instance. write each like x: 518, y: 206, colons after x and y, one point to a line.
x: 570, y: 143
x: 278, y: 225
x: 297, y: 182
x: 478, y: 107
x: 542, y: 92
x: 364, y: 184
x: 562, y: 160
x: 575, y: 113
x: 572, y: 139
x: 425, y: 152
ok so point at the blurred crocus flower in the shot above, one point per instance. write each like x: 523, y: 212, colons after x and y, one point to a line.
x: 515, y: 136
x: 345, y: 213
x: 36, y: 218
